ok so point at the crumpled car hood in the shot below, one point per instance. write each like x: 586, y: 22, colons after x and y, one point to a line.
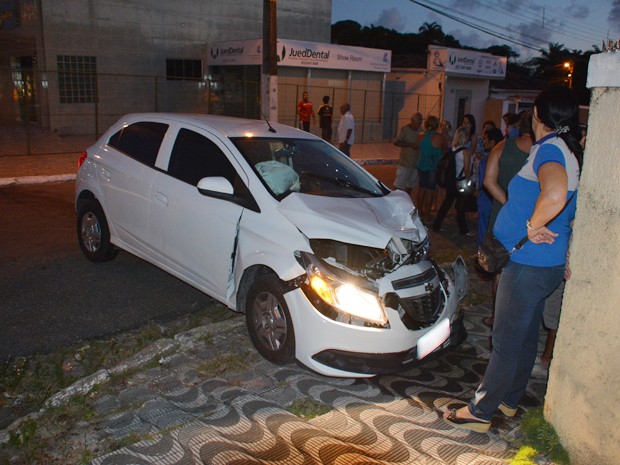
x: 370, y: 222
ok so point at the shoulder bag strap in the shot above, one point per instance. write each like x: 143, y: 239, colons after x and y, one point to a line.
x: 522, y: 242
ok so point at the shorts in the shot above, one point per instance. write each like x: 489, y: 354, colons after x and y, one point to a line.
x: 406, y: 178
x: 427, y: 180
x: 553, y: 305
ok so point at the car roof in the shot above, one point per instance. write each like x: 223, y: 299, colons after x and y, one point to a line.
x: 227, y: 125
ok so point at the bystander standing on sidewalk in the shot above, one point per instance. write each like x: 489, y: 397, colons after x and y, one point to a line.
x: 346, y: 129
x: 325, y: 119
x: 305, y: 112
x: 408, y: 138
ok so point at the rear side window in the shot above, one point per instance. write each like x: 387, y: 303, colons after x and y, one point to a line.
x: 195, y: 157
x: 140, y: 140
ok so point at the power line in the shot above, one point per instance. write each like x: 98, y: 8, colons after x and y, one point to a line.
x: 497, y: 30
x: 578, y: 29
x: 491, y: 24
x: 458, y: 19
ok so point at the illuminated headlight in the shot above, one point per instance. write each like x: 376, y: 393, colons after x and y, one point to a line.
x: 342, y: 295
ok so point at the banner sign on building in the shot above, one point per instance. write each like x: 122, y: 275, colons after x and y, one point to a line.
x: 302, y: 54
x: 466, y: 62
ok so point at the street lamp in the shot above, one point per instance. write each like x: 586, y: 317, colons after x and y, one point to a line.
x: 569, y: 68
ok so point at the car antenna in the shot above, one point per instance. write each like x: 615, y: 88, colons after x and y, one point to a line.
x: 271, y: 129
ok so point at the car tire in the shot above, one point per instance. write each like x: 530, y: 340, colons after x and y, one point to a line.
x: 269, y: 320
x: 93, y: 233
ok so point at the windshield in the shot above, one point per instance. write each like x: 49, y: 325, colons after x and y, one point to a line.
x: 307, y: 166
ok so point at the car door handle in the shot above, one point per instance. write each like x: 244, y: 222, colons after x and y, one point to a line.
x: 105, y: 174
x: 161, y: 198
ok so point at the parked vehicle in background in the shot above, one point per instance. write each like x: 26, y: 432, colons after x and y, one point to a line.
x: 329, y: 266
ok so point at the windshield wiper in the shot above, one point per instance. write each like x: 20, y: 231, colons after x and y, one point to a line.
x: 340, y: 182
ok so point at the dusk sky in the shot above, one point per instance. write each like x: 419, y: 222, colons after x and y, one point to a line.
x: 526, y: 26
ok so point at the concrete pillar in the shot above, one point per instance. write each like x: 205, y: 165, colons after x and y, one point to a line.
x: 583, y: 394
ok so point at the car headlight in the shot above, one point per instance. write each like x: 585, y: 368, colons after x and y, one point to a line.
x: 341, y: 294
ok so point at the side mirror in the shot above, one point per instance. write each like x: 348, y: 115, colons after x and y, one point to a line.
x: 218, y: 184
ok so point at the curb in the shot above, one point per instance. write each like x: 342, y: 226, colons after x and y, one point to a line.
x: 157, y: 350
x: 25, y: 180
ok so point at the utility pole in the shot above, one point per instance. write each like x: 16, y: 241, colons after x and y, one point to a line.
x: 269, y: 71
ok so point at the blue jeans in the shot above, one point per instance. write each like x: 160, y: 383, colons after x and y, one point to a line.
x: 484, y: 215
x: 519, y: 305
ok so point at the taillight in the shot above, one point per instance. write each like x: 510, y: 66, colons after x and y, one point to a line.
x: 82, y: 158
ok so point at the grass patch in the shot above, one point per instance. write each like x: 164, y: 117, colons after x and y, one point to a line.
x: 27, y: 382
x: 308, y: 408
x: 539, y: 439
x: 228, y: 363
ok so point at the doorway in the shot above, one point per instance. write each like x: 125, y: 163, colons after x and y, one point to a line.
x: 463, y: 104
x: 24, y: 89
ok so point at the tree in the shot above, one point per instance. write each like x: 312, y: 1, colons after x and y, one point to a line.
x: 432, y: 33
x: 346, y: 33
x: 503, y: 51
x: 555, y: 64
x: 549, y: 66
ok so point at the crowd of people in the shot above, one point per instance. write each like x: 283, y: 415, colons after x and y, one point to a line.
x: 525, y: 176
x: 520, y: 177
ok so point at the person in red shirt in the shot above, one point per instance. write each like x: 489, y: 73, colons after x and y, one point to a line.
x: 305, y: 112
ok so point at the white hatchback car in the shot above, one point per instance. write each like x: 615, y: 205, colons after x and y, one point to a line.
x: 329, y: 266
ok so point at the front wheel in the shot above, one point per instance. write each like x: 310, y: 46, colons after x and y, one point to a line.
x: 93, y: 233
x: 269, y: 321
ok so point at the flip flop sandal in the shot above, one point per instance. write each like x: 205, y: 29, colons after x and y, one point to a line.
x: 508, y: 411
x: 478, y: 426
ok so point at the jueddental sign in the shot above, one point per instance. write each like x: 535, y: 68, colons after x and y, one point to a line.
x: 302, y: 54
x: 237, y: 52
x: 466, y: 62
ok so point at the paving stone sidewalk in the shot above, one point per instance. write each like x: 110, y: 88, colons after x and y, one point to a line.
x: 179, y: 402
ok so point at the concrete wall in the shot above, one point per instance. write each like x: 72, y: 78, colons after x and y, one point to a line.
x: 583, y: 393
x: 409, y: 91
x: 476, y: 93
x: 132, y: 39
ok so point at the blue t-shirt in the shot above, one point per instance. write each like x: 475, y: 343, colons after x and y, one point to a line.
x: 429, y: 154
x: 523, y: 192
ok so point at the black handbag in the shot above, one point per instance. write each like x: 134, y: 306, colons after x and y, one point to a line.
x: 493, y: 256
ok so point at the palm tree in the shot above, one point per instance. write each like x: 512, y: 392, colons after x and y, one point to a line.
x: 432, y: 33
x: 550, y: 65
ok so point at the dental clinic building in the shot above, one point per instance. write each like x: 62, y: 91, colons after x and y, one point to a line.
x: 346, y: 74
x: 455, y: 82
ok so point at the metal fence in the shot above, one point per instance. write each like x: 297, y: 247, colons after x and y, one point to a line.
x: 37, y: 107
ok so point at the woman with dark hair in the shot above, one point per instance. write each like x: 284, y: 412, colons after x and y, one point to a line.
x: 469, y: 123
x: 541, y: 204
x: 505, y: 161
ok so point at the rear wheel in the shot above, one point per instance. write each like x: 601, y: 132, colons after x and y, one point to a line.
x: 269, y: 321
x: 93, y: 233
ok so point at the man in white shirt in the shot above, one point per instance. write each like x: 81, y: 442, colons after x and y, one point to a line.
x: 346, y: 129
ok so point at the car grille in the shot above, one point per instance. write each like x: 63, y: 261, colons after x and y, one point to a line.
x: 420, y: 311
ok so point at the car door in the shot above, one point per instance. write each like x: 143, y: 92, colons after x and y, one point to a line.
x: 195, y: 233
x: 125, y: 173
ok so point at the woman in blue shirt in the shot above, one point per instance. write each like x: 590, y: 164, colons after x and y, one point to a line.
x: 542, y: 192
x: 432, y: 146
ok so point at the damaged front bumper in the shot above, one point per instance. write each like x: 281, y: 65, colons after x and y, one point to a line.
x: 375, y: 364
x: 423, y: 321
